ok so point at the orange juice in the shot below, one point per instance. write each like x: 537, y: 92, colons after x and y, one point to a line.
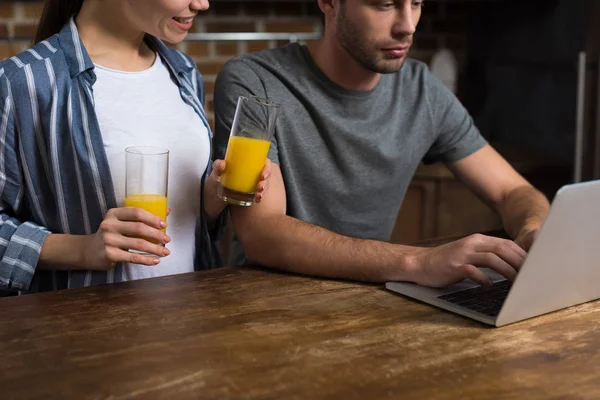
x: 153, y: 203
x: 245, y: 160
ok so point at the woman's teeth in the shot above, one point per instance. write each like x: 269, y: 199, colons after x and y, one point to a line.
x: 183, y: 21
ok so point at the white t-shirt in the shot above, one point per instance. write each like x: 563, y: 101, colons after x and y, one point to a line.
x: 146, y: 109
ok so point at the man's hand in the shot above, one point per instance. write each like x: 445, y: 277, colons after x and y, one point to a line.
x: 527, y: 236
x: 263, y: 184
x: 451, y: 263
x: 219, y: 167
x: 213, y: 205
x: 493, y: 179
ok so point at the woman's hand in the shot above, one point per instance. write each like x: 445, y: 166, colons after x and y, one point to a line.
x: 123, y: 229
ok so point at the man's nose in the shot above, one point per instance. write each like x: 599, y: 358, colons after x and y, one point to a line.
x: 406, y: 20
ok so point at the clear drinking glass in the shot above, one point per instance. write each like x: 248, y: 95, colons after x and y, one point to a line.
x: 249, y: 141
x: 146, y: 180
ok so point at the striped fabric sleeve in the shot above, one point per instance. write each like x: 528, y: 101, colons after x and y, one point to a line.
x: 20, y: 242
x: 20, y: 247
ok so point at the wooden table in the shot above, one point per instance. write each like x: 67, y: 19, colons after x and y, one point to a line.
x: 250, y: 333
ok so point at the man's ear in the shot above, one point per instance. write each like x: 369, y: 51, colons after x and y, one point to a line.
x: 328, y: 7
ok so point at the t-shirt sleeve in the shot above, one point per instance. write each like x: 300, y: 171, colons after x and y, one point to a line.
x: 456, y: 136
x: 237, y: 78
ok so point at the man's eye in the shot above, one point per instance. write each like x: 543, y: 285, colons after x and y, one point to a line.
x: 386, y: 6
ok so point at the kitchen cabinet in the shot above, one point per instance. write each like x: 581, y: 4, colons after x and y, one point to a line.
x: 438, y: 205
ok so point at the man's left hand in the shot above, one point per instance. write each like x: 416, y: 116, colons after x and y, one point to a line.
x: 527, y: 236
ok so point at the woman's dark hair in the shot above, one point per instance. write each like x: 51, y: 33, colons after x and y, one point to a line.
x: 55, y: 15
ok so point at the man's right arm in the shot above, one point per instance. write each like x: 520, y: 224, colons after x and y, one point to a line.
x: 271, y: 238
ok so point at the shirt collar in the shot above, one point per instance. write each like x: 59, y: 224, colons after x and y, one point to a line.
x: 77, y: 56
x: 177, y: 62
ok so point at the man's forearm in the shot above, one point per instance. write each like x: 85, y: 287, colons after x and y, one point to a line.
x: 523, y: 207
x: 287, y: 243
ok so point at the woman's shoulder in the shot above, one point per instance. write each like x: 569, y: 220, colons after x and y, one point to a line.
x: 34, y: 63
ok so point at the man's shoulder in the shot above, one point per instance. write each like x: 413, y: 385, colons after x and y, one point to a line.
x: 270, y: 59
x: 416, y: 77
x: 413, y: 68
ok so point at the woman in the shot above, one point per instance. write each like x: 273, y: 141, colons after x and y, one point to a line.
x: 100, y: 79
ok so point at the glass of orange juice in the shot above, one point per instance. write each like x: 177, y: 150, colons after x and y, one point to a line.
x: 249, y: 141
x: 146, y: 179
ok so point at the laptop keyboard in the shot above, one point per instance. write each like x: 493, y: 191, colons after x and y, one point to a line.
x: 482, y: 299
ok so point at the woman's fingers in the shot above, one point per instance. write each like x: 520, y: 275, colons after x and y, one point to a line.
x: 120, y: 241
x: 141, y: 230
x: 119, y: 255
x: 131, y: 228
x: 138, y: 215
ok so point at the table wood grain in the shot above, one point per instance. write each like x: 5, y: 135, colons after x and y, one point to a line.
x: 251, y: 333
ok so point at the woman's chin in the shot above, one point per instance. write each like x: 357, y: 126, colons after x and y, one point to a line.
x: 173, y: 37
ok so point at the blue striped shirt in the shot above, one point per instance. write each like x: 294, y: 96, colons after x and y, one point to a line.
x: 54, y: 174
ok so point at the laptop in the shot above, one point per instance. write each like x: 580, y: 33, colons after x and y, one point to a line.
x: 562, y: 268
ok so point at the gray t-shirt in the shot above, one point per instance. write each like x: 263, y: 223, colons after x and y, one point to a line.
x: 347, y: 157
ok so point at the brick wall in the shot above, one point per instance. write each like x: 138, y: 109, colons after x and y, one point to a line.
x: 443, y: 25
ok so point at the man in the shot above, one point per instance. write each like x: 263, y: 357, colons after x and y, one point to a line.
x: 357, y: 118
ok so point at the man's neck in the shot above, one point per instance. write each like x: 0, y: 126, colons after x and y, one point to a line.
x: 340, y: 67
x: 108, y: 42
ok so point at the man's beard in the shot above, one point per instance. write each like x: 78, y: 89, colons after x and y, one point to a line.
x: 351, y: 39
